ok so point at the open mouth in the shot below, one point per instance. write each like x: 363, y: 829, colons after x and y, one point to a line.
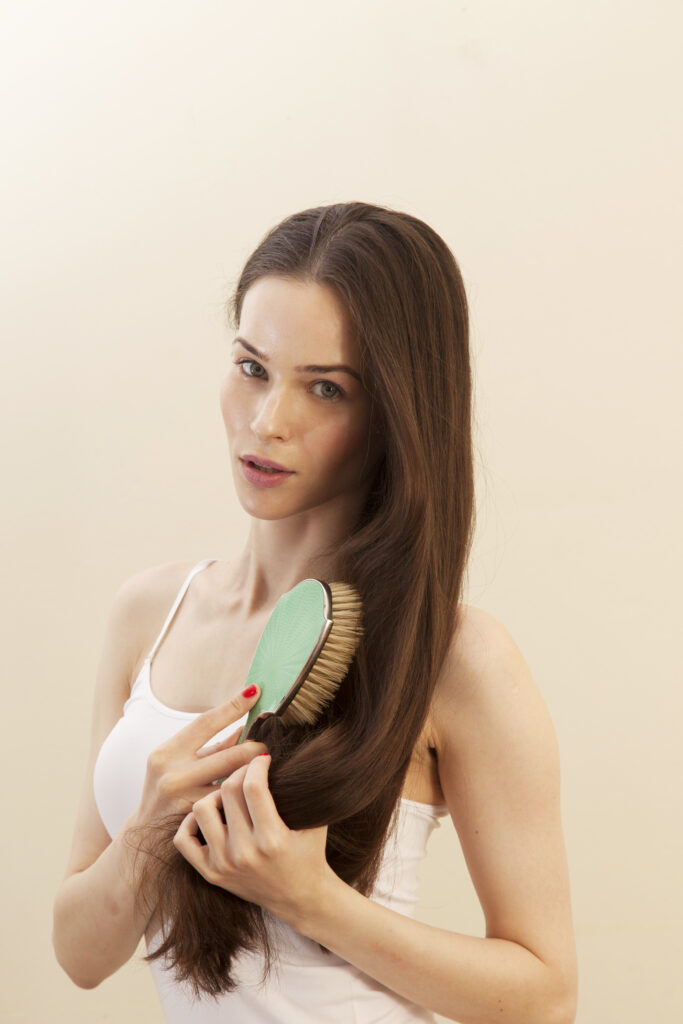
x: 273, y: 470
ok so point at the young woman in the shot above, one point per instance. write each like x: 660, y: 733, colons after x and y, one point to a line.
x: 347, y: 408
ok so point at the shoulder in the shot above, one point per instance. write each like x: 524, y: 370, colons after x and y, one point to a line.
x: 140, y: 606
x: 486, y: 697
x: 152, y: 585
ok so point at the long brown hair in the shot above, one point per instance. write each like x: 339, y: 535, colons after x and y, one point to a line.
x: 406, y: 554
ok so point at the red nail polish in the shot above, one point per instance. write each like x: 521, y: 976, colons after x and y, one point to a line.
x: 250, y: 691
x: 264, y: 753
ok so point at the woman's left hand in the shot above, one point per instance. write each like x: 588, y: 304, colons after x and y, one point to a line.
x: 254, y: 854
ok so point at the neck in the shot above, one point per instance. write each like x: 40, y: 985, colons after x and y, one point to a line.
x: 280, y: 553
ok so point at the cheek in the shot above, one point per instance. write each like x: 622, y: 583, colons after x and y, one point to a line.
x: 231, y: 409
x: 335, y: 444
x: 224, y: 393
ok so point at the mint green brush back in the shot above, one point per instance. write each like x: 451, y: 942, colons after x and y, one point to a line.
x: 305, y: 651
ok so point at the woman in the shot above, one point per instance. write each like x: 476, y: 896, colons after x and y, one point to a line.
x: 349, y: 381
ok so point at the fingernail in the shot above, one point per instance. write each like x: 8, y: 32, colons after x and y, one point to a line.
x: 250, y: 691
x: 264, y: 753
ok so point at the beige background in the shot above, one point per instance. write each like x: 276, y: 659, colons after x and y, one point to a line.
x: 148, y: 146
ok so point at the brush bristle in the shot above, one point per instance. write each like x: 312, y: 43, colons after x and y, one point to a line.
x: 332, y: 664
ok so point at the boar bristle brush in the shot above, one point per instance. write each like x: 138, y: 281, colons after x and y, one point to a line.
x: 305, y: 652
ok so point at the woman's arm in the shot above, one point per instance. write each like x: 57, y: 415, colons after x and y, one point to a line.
x: 499, y: 771
x: 97, y: 920
x: 498, y: 768
x: 96, y: 927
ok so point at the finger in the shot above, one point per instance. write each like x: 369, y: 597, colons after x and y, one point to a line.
x: 259, y: 800
x: 187, y: 842
x: 235, y: 808
x: 229, y: 741
x: 205, y: 726
x: 208, y: 816
x: 188, y: 799
x: 198, y: 791
x: 220, y: 765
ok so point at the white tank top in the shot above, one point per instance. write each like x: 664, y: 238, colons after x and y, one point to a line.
x: 306, y: 986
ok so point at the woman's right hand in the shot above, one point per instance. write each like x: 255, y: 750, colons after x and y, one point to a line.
x: 179, y: 772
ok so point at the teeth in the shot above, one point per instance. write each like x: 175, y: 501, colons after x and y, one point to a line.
x: 265, y: 469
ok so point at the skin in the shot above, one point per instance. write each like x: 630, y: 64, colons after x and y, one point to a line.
x: 496, y: 748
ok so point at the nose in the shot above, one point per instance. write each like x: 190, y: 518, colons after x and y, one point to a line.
x: 273, y: 415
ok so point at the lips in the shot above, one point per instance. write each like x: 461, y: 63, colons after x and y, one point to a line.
x: 259, y: 461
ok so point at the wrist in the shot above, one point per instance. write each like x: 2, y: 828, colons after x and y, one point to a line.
x: 311, y: 916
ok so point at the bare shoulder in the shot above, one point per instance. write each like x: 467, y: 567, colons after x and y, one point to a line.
x: 486, y: 687
x: 140, y: 607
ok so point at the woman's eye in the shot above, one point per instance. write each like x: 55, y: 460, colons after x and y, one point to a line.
x: 324, y: 384
x: 250, y: 362
x: 329, y: 391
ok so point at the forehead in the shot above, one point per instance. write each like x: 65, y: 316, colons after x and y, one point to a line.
x: 279, y: 313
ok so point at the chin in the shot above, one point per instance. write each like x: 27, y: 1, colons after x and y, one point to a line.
x: 264, y: 507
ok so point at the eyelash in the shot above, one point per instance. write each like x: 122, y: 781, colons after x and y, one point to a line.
x: 334, y: 398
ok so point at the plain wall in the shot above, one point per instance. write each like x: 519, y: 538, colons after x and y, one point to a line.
x: 147, y: 149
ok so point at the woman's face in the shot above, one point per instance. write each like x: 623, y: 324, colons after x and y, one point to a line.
x: 278, y: 404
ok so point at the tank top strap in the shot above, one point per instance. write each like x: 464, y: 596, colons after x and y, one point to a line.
x: 174, y: 607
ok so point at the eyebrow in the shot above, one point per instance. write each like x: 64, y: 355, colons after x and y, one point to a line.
x: 302, y: 369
